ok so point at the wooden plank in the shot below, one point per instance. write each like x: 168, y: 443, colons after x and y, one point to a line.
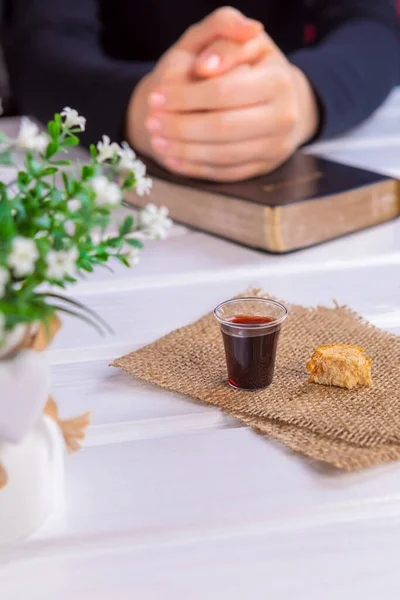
x: 349, y: 561
x: 114, y: 396
x: 210, y: 485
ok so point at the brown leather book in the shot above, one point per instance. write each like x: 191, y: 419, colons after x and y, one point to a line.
x: 308, y: 200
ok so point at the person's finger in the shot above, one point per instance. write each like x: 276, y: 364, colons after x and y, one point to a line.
x: 259, y: 149
x: 223, y: 126
x: 175, y: 66
x: 226, y: 22
x: 212, y: 173
x: 222, y: 55
x: 243, y: 86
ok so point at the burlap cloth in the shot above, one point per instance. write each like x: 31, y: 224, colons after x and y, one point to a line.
x: 348, y: 429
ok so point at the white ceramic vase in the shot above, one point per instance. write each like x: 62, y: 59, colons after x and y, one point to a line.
x: 35, y: 488
x: 31, y: 445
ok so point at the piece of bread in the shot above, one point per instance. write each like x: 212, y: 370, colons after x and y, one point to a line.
x: 341, y: 365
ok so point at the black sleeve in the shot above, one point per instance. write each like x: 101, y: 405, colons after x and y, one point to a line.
x: 354, y: 62
x: 55, y: 58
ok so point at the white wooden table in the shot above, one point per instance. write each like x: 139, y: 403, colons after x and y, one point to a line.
x: 172, y: 500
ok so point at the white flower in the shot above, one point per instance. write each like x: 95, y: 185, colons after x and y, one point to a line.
x: 42, y: 141
x: 154, y: 221
x: 23, y: 256
x: 107, y: 192
x: 74, y: 205
x: 129, y: 162
x: 30, y: 137
x: 70, y: 227
x: 143, y: 186
x: 73, y: 119
x: 61, y: 263
x: 127, y: 158
x: 139, y: 169
x: 106, y: 149
x: 132, y: 255
x: 4, y: 277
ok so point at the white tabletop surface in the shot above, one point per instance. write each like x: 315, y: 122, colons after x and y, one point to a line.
x: 171, y: 499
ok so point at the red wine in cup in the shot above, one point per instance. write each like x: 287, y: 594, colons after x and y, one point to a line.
x: 250, y: 355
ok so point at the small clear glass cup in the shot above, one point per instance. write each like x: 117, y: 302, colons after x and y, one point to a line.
x: 250, y: 330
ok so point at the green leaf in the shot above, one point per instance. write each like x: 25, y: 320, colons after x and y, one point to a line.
x: 114, y: 242
x: 26, y: 291
x: 52, y: 149
x: 56, y: 197
x: 123, y: 259
x: 6, y: 158
x: 71, y: 141
x: 60, y: 284
x: 3, y: 191
x: 28, y: 161
x: 102, y: 257
x: 7, y: 225
x: 23, y: 178
x: 93, y: 151
x: 87, y: 172
x: 104, y: 211
x: 48, y: 171
x: 134, y: 243
x: 66, y: 182
x: 78, y: 315
x: 81, y: 306
x: 54, y: 130
x: 58, y: 120
x: 129, y: 181
x: 34, y: 167
x: 61, y: 163
x: 21, y: 212
x: 58, y: 240
x: 126, y: 226
x: 44, y: 221
x: 70, y: 279
x: 86, y: 265
x: 76, y: 187
x: 43, y: 245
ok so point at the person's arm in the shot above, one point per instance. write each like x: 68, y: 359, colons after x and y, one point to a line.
x: 354, y: 62
x: 55, y: 57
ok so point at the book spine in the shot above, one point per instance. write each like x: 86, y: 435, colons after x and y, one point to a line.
x: 314, y: 221
x: 272, y: 229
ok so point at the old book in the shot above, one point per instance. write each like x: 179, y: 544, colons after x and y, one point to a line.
x: 308, y: 200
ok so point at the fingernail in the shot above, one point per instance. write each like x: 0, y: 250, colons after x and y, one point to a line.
x: 174, y: 163
x: 159, y: 143
x: 153, y: 124
x: 212, y: 62
x: 157, y: 99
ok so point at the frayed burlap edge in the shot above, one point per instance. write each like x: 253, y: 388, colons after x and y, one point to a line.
x: 336, y: 453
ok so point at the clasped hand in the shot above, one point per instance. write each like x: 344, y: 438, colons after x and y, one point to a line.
x: 223, y: 103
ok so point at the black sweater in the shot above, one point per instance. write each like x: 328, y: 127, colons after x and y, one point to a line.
x: 89, y: 54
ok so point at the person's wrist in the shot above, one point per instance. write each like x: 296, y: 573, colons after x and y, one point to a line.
x: 307, y: 105
x: 136, y: 114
